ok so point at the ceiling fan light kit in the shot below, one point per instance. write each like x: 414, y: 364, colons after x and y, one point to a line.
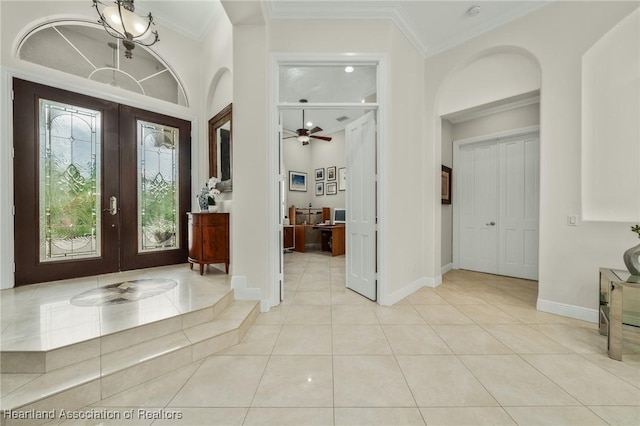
x: 304, y: 135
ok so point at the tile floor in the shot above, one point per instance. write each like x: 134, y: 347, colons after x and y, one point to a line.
x: 473, y: 351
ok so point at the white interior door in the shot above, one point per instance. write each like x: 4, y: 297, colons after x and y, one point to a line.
x: 518, y: 223
x: 498, y: 196
x: 360, y: 142
x: 478, y: 208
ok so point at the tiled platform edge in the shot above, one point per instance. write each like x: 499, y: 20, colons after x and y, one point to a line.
x: 81, y: 374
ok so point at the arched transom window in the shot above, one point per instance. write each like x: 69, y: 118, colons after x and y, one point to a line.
x: 86, y: 50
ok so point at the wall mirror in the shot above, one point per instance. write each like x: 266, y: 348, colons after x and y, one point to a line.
x: 221, y: 148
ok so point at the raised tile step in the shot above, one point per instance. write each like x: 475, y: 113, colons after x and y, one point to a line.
x: 87, y: 381
x: 36, y: 361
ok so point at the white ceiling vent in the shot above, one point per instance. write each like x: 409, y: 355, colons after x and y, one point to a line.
x: 341, y: 119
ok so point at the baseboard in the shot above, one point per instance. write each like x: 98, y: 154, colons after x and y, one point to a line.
x: 571, y: 311
x: 446, y: 268
x: 241, y: 291
x: 408, y: 290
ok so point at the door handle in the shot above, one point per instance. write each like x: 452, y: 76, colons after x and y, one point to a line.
x: 113, y: 206
x: 491, y: 223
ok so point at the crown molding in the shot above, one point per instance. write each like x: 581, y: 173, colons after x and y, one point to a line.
x: 462, y: 116
x: 361, y: 11
x: 290, y: 9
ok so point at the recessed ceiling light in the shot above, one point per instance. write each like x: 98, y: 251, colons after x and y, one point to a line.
x: 473, y: 11
x: 309, y: 124
x: 348, y: 69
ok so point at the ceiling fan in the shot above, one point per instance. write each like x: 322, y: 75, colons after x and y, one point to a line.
x: 304, y: 135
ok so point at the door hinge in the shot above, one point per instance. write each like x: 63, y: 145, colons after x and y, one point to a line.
x: 13, y: 95
x: 13, y: 152
x: 13, y: 210
x: 13, y: 267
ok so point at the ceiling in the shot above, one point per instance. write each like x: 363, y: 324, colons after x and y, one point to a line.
x: 431, y: 26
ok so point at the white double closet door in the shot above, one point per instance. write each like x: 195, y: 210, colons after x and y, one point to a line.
x: 497, y: 209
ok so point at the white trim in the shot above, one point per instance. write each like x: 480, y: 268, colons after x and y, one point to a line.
x: 7, y: 256
x: 571, y: 311
x: 405, y: 291
x: 47, y: 76
x: 275, y: 61
x: 446, y: 268
x: 519, y: 132
x: 461, y: 117
x: 457, y: 144
x: 241, y: 291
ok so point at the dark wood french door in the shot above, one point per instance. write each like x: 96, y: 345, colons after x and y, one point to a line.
x: 99, y: 187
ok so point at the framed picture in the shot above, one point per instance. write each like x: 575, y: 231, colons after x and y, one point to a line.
x: 342, y: 179
x: 319, y: 174
x: 331, y: 173
x: 446, y: 185
x: 331, y: 188
x: 319, y: 188
x: 297, y: 181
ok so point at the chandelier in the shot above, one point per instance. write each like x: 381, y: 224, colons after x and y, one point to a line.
x: 120, y: 21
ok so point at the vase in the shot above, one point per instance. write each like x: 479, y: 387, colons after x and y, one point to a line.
x: 630, y: 258
x: 213, y: 208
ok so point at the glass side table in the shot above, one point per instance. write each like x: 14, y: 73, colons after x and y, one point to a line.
x: 613, y: 283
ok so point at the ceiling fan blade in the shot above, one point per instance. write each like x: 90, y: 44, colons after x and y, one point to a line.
x: 291, y: 137
x: 290, y: 131
x: 324, y: 138
x: 315, y: 130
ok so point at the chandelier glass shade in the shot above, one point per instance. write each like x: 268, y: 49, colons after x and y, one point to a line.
x: 120, y: 21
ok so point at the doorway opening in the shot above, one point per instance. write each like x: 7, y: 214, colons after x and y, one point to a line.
x: 325, y: 82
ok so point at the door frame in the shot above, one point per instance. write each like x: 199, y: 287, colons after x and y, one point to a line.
x: 89, y: 88
x: 457, y: 145
x: 275, y: 178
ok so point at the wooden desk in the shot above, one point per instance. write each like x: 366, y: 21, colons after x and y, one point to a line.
x: 333, y: 238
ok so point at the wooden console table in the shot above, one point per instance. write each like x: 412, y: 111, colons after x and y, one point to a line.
x: 614, y: 284
x: 208, y: 239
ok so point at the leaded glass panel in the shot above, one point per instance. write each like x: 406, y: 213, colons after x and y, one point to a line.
x: 157, y: 187
x: 69, y: 182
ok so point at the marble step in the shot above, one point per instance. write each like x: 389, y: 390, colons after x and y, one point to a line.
x: 87, y: 381
x: 43, y: 361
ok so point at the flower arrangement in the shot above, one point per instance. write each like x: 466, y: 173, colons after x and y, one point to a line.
x: 208, y: 193
x: 213, y: 192
x: 636, y: 229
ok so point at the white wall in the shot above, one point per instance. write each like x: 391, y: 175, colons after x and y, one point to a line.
x: 297, y: 158
x: 17, y: 18
x: 611, y: 107
x: 306, y: 159
x: 569, y: 256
